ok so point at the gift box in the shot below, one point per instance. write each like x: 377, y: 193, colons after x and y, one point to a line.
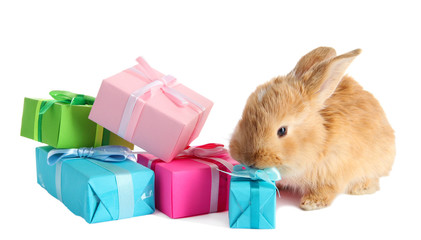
x: 191, y: 184
x: 100, y: 184
x: 151, y: 110
x: 252, y: 199
x: 63, y: 122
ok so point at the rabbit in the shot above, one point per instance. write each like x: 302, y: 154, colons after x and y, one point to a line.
x: 319, y: 128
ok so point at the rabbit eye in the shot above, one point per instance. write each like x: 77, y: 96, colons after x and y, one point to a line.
x: 282, y: 131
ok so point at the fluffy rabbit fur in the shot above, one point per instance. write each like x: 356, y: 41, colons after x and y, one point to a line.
x: 338, y: 138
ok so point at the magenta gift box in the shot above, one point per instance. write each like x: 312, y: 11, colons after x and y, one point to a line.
x: 150, y: 110
x: 190, y: 184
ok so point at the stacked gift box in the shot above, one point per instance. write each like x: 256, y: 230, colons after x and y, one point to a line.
x: 89, y: 164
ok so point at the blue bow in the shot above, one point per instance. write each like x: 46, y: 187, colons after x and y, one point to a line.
x: 103, y: 153
x: 269, y: 175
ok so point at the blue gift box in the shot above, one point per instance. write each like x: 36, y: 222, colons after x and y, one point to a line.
x: 95, y: 190
x: 252, y: 199
x: 252, y: 204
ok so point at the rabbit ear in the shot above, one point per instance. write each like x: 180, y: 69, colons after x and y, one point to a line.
x: 325, y: 76
x: 310, y: 59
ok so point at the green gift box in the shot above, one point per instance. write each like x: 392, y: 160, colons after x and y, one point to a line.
x: 63, y: 122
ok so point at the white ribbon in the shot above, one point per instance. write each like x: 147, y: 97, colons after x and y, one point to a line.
x: 214, y: 184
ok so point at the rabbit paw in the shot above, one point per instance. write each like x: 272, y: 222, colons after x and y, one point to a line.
x: 367, y: 186
x: 318, y: 199
x: 311, y: 203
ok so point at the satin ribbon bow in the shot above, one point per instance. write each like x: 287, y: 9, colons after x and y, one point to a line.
x: 104, y: 153
x: 165, y: 83
x: 205, y: 151
x: 211, y: 151
x: 269, y: 175
x: 67, y: 98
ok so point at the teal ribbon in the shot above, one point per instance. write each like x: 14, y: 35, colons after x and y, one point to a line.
x: 62, y: 97
x: 102, y: 155
x: 254, y: 204
x: 269, y: 175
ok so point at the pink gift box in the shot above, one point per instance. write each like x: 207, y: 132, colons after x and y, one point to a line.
x: 191, y: 184
x: 150, y: 110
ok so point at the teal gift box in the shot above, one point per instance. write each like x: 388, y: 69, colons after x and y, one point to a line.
x: 252, y: 199
x: 96, y: 190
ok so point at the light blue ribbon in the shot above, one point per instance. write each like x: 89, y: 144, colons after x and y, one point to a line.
x: 254, y: 204
x: 102, y: 154
x: 269, y: 175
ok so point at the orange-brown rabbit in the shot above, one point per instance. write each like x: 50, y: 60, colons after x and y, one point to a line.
x: 324, y: 133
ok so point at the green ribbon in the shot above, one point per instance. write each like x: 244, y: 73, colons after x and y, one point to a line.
x: 37, y: 118
x: 67, y: 98
x: 59, y: 97
x: 98, y: 136
x: 102, y: 136
x: 106, y: 137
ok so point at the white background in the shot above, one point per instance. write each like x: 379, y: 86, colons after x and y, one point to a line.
x: 223, y: 50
